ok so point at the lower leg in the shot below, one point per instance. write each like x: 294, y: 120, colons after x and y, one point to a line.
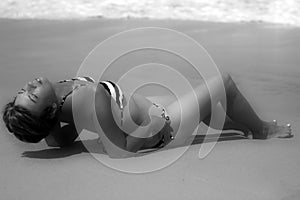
x: 241, y: 112
x: 229, y: 124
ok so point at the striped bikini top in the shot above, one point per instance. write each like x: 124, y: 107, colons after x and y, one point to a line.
x: 112, y: 88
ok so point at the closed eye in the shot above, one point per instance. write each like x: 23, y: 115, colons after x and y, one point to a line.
x: 30, y: 96
x: 21, y: 91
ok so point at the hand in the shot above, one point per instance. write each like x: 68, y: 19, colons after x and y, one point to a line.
x: 156, y: 120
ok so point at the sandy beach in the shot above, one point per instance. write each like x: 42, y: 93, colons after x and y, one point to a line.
x: 262, y: 58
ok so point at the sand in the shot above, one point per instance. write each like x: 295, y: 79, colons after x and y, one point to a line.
x: 263, y: 60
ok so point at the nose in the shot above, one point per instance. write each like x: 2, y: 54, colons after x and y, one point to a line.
x: 30, y: 86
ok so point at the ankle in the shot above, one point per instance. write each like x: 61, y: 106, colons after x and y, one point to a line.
x: 261, y: 131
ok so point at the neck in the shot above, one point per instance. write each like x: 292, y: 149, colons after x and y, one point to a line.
x: 62, y: 90
x: 59, y: 91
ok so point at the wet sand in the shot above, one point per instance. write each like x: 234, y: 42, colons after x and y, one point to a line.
x: 262, y: 58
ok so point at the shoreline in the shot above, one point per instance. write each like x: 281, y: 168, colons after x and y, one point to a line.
x: 95, y: 18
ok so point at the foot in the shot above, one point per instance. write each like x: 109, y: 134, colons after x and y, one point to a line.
x: 271, y: 129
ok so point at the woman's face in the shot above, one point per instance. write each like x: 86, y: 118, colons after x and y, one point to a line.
x: 36, y: 95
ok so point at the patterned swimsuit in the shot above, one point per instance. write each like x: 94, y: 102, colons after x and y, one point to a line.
x: 112, y: 88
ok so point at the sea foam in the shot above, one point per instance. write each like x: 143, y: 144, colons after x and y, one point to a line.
x: 272, y: 11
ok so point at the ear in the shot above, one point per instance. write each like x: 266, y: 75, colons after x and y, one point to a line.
x: 54, y: 108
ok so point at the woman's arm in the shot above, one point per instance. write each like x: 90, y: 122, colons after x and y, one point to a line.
x: 135, y: 142
x: 62, y: 136
x: 149, y: 120
x: 118, y: 143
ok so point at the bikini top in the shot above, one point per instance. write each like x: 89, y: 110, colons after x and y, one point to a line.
x: 86, y: 79
x: 112, y: 88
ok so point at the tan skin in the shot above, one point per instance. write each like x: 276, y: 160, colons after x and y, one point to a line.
x: 40, y: 93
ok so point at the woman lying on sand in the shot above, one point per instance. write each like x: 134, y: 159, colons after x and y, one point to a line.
x: 40, y: 106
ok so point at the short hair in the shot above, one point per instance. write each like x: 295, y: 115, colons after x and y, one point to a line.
x: 26, y: 126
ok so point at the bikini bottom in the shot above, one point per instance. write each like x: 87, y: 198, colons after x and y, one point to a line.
x: 165, y: 133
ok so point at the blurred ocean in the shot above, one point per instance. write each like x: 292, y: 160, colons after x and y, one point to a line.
x: 273, y: 11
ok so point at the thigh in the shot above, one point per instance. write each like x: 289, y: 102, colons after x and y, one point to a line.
x: 135, y: 112
x: 194, y: 105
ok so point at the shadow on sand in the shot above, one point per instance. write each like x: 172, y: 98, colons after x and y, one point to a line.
x: 79, y: 147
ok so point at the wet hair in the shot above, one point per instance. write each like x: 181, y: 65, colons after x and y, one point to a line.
x: 26, y: 126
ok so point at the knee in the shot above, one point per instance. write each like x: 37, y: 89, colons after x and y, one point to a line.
x: 228, y: 82
x: 226, y: 78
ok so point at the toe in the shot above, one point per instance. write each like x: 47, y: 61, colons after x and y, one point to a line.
x: 289, y: 128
